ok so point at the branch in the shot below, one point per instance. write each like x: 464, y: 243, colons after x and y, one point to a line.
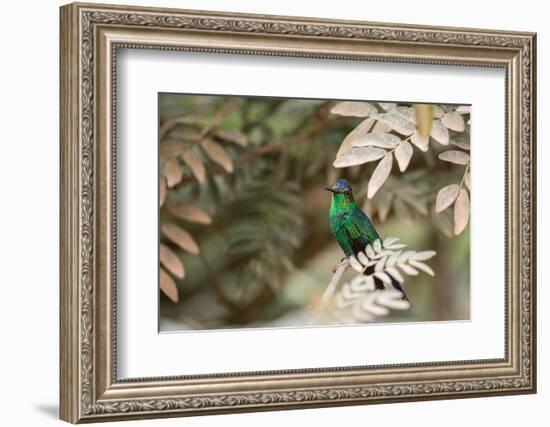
x: 376, y: 289
x: 319, y: 126
x: 339, y: 270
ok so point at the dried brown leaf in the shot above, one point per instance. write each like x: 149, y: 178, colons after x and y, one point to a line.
x: 171, y: 148
x: 188, y: 135
x: 180, y: 237
x: 355, y: 134
x: 456, y: 157
x: 380, y: 127
x: 168, y: 286
x: 463, y: 109
x: 438, y: 111
x: 218, y: 154
x: 365, y: 126
x: 407, y: 113
x: 403, y: 154
x: 439, y: 132
x: 443, y: 223
x: 462, y: 211
x: 225, y: 111
x: 354, y: 109
x: 190, y: 213
x: 454, y: 121
x: 171, y: 261
x: 396, y: 122
x: 162, y: 190
x: 420, y: 141
x: 380, y: 175
x: 381, y: 140
x: 446, y: 197
x: 358, y: 156
x: 461, y: 143
x: 173, y: 172
x: 387, y: 106
x: 233, y: 135
x: 195, y: 163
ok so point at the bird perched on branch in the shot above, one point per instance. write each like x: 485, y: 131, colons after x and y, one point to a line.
x: 352, y: 228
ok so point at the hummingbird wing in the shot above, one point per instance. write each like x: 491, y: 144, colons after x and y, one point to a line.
x: 360, y: 231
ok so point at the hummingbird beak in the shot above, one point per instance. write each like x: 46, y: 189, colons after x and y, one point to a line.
x: 330, y: 189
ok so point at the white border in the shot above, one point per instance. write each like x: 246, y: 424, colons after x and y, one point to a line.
x: 143, y: 352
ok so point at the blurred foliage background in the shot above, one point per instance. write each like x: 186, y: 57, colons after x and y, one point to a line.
x: 245, y: 237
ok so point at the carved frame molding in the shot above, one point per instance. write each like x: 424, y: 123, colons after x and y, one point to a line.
x: 90, y: 37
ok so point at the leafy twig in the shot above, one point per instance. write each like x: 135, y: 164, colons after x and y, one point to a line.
x: 318, y: 127
x: 361, y: 300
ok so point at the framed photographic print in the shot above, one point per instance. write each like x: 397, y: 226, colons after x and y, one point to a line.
x: 265, y: 212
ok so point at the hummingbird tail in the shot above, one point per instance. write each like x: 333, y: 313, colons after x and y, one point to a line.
x: 379, y: 285
x: 398, y: 286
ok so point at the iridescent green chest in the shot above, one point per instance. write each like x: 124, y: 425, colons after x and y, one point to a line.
x: 351, y: 227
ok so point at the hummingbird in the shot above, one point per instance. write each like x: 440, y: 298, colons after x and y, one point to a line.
x: 352, y: 227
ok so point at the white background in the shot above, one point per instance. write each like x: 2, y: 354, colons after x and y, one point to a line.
x: 29, y: 170
x: 141, y: 347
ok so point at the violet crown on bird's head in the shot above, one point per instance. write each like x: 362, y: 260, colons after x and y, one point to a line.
x: 341, y: 186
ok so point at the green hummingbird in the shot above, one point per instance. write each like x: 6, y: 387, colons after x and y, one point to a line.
x: 352, y: 228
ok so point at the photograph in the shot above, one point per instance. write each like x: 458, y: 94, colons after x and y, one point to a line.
x: 267, y: 212
x: 285, y: 212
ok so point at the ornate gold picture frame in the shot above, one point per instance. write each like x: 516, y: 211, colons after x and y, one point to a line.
x: 91, y: 34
